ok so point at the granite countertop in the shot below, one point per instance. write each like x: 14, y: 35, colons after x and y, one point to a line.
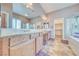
x: 12, y: 32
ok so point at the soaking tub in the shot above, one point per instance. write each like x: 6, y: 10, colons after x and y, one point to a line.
x: 76, y: 35
x: 74, y: 43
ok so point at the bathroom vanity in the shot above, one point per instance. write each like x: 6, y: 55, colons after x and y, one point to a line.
x: 27, y: 43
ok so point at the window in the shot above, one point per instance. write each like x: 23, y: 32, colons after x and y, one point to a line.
x: 27, y: 25
x: 72, y: 26
x: 75, y: 25
x: 0, y: 21
x: 16, y: 23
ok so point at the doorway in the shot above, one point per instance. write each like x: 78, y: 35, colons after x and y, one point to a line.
x: 59, y: 29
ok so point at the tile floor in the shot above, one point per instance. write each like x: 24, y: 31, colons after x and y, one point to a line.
x: 51, y: 49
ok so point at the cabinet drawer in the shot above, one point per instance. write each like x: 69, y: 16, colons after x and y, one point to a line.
x: 18, y: 39
x: 33, y: 36
x: 4, y: 46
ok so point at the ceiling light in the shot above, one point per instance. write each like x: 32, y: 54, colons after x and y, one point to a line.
x: 29, y: 5
x: 44, y: 17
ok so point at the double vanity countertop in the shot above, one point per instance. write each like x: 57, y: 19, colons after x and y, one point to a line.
x: 13, y: 32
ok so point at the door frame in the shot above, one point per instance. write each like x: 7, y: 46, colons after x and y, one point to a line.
x: 7, y: 18
x: 63, y: 26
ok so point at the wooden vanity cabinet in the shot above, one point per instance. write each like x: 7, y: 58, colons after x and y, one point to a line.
x: 21, y: 45
x: 39, y: 43
x: 24, y: 49
x: 30, y: 49
x: 4, y: 46
x: 17, y: 46
x: 18, y: 39
x: 45, y: 38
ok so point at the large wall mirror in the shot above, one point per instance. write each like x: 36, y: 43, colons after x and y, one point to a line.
x: 20, y: 22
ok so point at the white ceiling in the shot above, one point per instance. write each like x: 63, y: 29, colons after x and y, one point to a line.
x: 22, y: 10
x: 39, y: 9
x: 50, y: 7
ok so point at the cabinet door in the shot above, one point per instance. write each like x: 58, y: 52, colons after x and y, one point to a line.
x: 45, y: 38
x: 16, y: 51
x: 29, y: 49
x: 23, y: 49
x: 39, y: 44
x: 4, y: 46
x: 0, y: 47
